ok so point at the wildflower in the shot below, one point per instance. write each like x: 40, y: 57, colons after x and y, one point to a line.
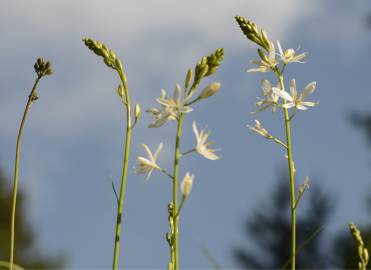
x: 147, y: 165
x: 161, y: 116
x: 266, y: 63
x: 295, y: 100
x: 186, y: 185
x: 289, y: 56
x: 202, y: 146
x: 176, y: 104
x: 259, y: 129
x: 270, y: 99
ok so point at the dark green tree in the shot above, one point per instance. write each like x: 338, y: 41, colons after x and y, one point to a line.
x: 269, y: 229
x: 27, y: 253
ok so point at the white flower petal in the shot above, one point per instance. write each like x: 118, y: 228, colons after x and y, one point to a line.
x: 301, y: 107
x: 195, y: 130
x: 294, y: 92
x: 158, y: 150
x: 266, y: 86
x: 282, y: 94
x: 148, y: 151
x: 309, y: 89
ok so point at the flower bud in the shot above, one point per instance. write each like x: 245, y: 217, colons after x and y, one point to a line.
x: 262, y: 55
x: 137, y: 112
x: 188, y: 78
x: 209, y: 90
x: 120, y: 91
x: 186, y: 185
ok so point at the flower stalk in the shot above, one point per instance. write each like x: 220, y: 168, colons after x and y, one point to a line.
x: 112, y: 61
x: 175, y: 217
x: 42, y: 69
x: 271, y: 98
x: 291, y: 174
x: 174, y: 109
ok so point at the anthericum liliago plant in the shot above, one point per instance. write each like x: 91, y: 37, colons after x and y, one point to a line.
x: 42, y: 69
x: 112, y: 61
x: 175, y: 108
x: 272, y: 58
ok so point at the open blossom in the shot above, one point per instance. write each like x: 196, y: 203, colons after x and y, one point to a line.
x: 186, y: 185
x: 297, y: 100
x: 267, y: 63
x: 177, y: 104
x: 270, y: 97
x: 259, y: 129
x: 161, y: 116
x: 202, y: 146
x: 147, y: 165
x: 290, y: 56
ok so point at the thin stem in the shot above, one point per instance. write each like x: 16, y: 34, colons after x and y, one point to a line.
x: 188, y: 152
x: 166, y: 173
x: 116, y: 252
x: 181, y: 205
x: 292, y: 114
x: 31, y: 98
x: 175, y: 190
x: 115, y: 192
x: 279, y: 142
x: 292, y: 175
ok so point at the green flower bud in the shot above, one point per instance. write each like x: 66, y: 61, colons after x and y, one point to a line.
x: 43, y: 68
x: 188, y: 78
x: 109, y: 56
x: 252, y: 33
x: 120, y: 91
x: 262, y: 55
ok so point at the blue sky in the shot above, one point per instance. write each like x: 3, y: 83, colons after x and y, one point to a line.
x: 73, y: 138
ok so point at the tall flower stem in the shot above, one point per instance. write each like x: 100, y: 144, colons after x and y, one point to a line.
x: 32, y: 97
x: 292, y: 175
x: 116, y: 252
x: 175, y: 191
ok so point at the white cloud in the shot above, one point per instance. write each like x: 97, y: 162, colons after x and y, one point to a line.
x: 158, y: 40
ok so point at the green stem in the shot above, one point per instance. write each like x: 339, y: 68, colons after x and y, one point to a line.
x: 292, y: 175
x: 175, y: 190
x: 31, y: 98
x: 124, y: 173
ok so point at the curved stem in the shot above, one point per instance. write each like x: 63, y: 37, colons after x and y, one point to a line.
x: 116, y: 252
x: 175, y: 190
x: 292, y: 175
x: 31, y: 98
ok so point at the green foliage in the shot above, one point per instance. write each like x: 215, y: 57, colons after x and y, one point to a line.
x: 27, y: 253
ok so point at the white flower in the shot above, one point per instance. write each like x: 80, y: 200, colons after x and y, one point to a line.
x: 202, y: 146
x: 267, y: 63
x: 289, y: 56
x: 147, y: 165
x: 270, y: 100
x: 176, y: 104
x: 186, y: 185
x: 259, y: 129
x: 295, y: 99
x: 161, y: 116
